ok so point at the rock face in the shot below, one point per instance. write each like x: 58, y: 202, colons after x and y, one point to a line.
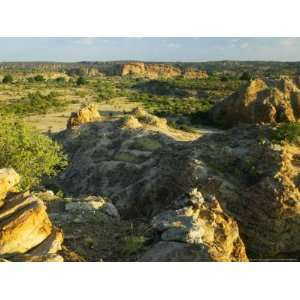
x: 144, y: 170
x: 193, y: 74
x: 25, y: 229
x: 260, y: 101
x: 150, y: 70
x: 200, y: 223
x: 86, y: 114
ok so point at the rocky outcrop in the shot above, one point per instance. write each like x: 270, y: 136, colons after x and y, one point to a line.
x: 201, y: 223
x: 86, y: 114
x: 194, y: 74
x: 25, y: 229
x: 150, y: 70
x: 260, y: 101
x: 144, y: 170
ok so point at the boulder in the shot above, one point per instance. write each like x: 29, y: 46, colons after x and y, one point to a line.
x: 86, y: 114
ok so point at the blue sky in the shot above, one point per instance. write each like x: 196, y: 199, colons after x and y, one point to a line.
x: 149, y: 49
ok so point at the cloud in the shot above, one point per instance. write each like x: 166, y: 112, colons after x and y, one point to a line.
x: 88, y: 41
x: 174, y: 45
x: 244, y: 45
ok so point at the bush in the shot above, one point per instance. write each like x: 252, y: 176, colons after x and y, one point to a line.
x: 289, y: 132
x: 81, y: 80
x: 34, y: 103
x: 246, y: 76
x: 39, y: 78
x: 60, y: 80
x: 34, y: 156
x: 7, y: 79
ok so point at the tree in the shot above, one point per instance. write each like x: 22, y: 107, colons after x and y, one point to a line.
x: 246, y: 76
x: 39, y: 78
x: 81, y: 80
x: 7, y: 79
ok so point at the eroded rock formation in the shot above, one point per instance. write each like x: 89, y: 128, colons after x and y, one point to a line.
x: 86, y: 114
x: 260, y: 101
x: 144, y: 169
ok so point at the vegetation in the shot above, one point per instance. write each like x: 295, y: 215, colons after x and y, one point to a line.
x: 81, y: 80
x: 33, y: 103
x: 39, y: 78
x: 33, y: 155
x: 7, y: 79
x: 289, y: 132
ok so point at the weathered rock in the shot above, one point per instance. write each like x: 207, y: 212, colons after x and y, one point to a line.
x: 144, y: 172
x: 92, y: 204
x: 260, y: 101
x: 24, y: 225
x: 174, y: 252
x: 27, y: 227
x: 194, y: 74
x: 8, y: 179
x: 202, y: 223
x: 149, y: 70
x: 86, y: 114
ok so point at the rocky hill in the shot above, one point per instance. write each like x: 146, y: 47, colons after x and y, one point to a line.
x: 215, y: 197
x: 260, y: 101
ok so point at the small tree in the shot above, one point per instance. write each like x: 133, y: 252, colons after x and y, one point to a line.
x: 81, y: 80
x: 246, y: 76
x: 7, y: 79
x: 39, y: 78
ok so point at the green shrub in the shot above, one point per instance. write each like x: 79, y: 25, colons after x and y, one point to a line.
x: 34, y: 156
x: 34, y: 103
x: 60, y: 80
x: 81, y: 80
x: 289, y: 132
x: 7, y: 79
x: 39, y: 78
x: 132, y: 244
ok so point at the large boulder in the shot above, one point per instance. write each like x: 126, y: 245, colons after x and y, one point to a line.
x: 24, y: 225
x: 260, y: 101
x: 86, y: 114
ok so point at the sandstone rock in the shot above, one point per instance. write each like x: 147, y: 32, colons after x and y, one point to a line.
x: 144, y: 172
x: 194, y: 74
x: 149, y: 70
x: 92, y: 204
x: 260, y: 101
x: 8, y: 179
x: 86, y: 114
x: 203, y: 224
x: 24, y: 225
x: 26, y: 228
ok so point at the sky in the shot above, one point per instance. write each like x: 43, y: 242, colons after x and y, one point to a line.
x: 149, y: 49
